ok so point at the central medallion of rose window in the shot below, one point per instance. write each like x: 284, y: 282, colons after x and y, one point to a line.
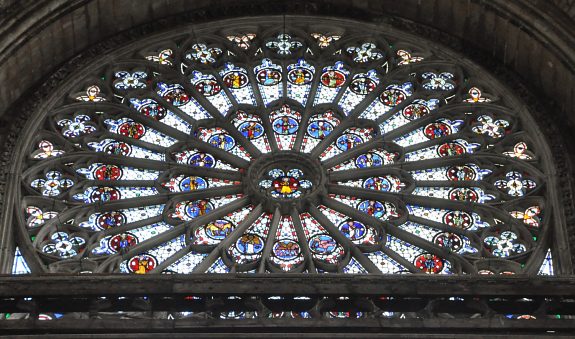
x: 285, y: 185
x: 284, y: 178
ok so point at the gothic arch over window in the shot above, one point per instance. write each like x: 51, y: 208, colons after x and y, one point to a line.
x: 313, y: 147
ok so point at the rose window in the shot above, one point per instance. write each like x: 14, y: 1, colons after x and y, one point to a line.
x: 264, y: 150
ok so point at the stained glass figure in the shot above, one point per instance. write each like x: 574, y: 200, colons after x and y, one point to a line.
x: 176, y: 95
x: 429, y: 263
x: 109, y: 172
x: 452, y: 218
x: 285, y: 185
x: 269, y: 77
x: 318, y: 128
x: 116, y: 218
x: 422, y: 260
x: 349, y: 139
x: 136, y: 130
x: 219, y: 138
x: 191, y: 209
x: 384, y: 183
x: 188, y: 210
x: 361, y: 85
x: 463, y: 194
x: 454, y: 148
x: 356, y: 231
x: 332, y: 80
x: 122, y: 242
x: 236, y: 79
x: 418, y: 109
x: 447, y: 240
x: 215, y: 231
x: 467, y: 172
x: 300, y: 76
x: 392, y: 96
x: 104, y: 194
x: 155, y: 256
x: 285, y: 124
x: 251, y: 127
x: 374, y: 158
x: 322, y: 245
x: 207, y: 85
x: 119, y: 243
x: 115, y: 147
x: 184, y: 183
x: 286, y: 252
x: 437, y: 129
x: 196, y: 158
x: 248, y: 247
x: 153, y: 110
x: 141, y: 264
x: 378, y: 209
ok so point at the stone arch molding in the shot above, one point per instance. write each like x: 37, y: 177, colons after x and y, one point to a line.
x: 248, y: 147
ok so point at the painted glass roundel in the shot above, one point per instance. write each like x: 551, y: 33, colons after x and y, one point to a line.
x: 283, y: 153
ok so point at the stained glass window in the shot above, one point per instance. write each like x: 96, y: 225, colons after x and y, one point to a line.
x: 283, y: 152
